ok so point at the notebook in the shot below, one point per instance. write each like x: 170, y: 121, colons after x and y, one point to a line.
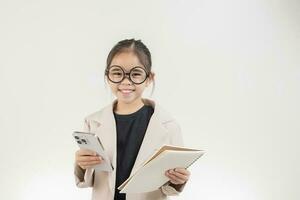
x: 151, y: 175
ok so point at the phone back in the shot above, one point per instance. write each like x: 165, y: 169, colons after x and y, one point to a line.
x: 90, y: 141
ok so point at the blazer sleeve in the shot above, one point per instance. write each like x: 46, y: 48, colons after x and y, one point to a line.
x: 175, y: 137
x: 84, y: 178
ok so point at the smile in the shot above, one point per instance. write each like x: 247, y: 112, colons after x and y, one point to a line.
x: 125, y: 91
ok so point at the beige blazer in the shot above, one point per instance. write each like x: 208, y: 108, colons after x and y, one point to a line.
x: 162, y: 129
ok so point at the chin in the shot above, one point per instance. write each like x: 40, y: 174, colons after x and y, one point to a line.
x: 126, y: 100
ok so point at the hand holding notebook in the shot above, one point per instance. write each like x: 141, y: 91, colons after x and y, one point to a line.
x: 151, y: 175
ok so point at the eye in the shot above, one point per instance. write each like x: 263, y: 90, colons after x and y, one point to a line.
x: 136, y: 74
x: 117, y: 74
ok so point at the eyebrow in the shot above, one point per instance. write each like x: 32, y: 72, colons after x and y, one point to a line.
x: 137, y: 69
x: 129, y: 69
x: 115, y: 69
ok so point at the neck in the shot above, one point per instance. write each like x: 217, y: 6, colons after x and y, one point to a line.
x: 123, y: 108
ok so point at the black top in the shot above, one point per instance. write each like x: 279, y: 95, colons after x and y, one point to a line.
x: 131, y: 129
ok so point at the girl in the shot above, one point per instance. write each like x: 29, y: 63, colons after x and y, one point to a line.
x: 131, y: 129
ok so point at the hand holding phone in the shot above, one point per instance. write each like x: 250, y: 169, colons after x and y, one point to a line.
x: 87, y: 159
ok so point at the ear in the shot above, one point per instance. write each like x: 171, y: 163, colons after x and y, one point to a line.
x: 150, y: 79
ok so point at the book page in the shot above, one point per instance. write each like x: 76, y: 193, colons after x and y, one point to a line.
x: 160, y: 151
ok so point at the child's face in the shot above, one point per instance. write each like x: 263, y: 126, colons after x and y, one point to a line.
x: 126, y: 91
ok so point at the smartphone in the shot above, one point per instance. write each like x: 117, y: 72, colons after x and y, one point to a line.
x: 92, y: 142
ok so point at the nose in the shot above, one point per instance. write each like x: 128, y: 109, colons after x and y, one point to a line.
x: 126, y: 80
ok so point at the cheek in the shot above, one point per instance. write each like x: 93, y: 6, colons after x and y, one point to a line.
x: 113, y: 88
x: 140, y: 89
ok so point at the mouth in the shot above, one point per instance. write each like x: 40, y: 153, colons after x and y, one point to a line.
x: 125, y: 91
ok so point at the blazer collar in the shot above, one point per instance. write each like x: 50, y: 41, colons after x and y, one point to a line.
x: 107, y: 113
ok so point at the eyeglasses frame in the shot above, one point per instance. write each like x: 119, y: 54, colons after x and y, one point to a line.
x: 126, y: 74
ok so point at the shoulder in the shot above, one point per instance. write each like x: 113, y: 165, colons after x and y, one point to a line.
x: 96, y: 118
x: 95, y: 115
x: 173, y: 129
x: 166, y: 118
x: 170, y: 124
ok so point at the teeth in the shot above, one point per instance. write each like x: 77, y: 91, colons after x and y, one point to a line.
x: 126, y: 91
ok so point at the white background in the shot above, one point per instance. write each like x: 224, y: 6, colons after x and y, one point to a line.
x: 228, y: 71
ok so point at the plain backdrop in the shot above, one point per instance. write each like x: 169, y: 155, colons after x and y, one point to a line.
x: 228, y: 71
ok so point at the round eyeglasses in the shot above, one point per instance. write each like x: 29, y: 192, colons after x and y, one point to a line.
x: 117, y: 74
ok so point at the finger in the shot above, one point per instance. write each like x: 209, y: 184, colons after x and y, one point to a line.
x: 86, y: 152
x: 179, y: 175
x: 88, y: 158
x: 91, y: 165
x: 182, y: 171
x: 174, y: 179
x: 170, y: 177
x: 86, y: 164
x: 83, y: 151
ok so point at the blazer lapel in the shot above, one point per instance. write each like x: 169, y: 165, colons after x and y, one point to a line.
x: 155, y: 136
x: 107, y: 134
